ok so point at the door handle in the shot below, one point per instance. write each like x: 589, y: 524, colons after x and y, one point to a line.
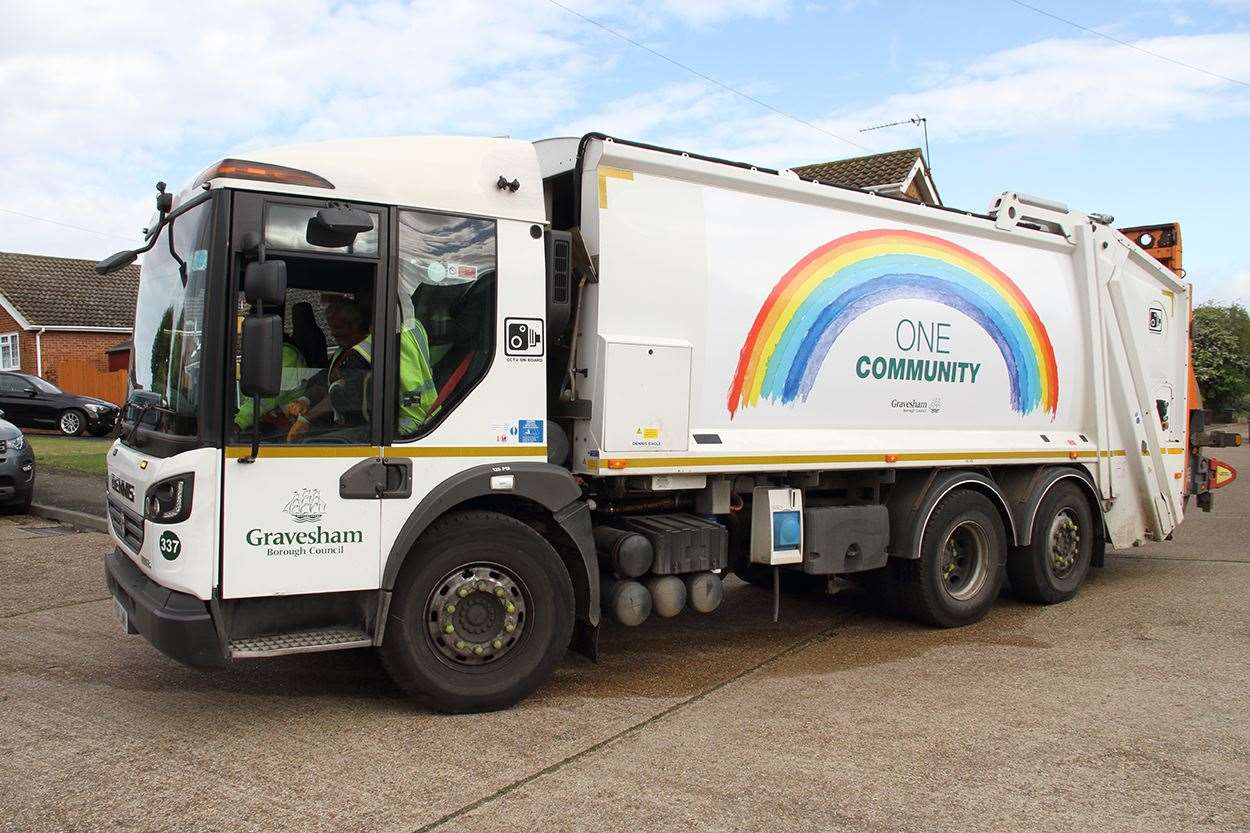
x: 397, y: 478
x: 377, y: 479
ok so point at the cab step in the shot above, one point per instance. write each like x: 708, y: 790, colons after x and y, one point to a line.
x: 299, y: 642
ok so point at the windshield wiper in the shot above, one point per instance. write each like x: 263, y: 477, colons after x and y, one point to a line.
x: 143, y: 411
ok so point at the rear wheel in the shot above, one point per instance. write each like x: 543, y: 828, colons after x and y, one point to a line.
x: 72, y: 422
x: 1055, y: 562
x: 482, y: 613
x: 960, y: 569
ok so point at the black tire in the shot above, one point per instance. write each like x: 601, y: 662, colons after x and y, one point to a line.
x: 1055, y: 562
x: 72, y: 422
x: 21, y: 506
x: 960, y: 570
x: 448, y: 554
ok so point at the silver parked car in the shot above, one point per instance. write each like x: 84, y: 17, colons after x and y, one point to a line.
x: 17, y: 468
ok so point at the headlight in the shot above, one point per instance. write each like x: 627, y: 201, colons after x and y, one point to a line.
x: 17, y: 443
x: 169, y: 501
x: 93, y: 408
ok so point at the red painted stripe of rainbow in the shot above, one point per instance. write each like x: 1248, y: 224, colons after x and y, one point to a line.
x: 833, y: 285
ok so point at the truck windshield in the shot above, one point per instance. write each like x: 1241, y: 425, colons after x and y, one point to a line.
x: 169, y: 324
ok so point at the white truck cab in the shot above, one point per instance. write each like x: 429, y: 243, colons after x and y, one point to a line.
x: 451, y: 397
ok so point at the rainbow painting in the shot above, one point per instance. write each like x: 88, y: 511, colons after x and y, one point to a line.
x: 830, y: 287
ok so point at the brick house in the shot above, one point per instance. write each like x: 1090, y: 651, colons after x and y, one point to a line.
x: 898, y: 173
x: 57, y: 308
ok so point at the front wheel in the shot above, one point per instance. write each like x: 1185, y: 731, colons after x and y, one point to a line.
x: 1053, y: 565
x: 72, y: 422
x: 481, y: 615
x: 960, y: 570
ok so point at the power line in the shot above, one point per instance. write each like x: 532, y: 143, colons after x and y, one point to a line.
x: 1141, y: 49
x: 706, y: 77
x: 66, y: 225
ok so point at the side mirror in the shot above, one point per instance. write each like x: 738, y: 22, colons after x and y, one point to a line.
x: 32, y: 392
x: 336, y: 226
x: 114, y: 262
x: 260, y: 373
x: 266, y: 283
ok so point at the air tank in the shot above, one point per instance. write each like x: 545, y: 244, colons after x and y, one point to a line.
x: 668, y: 595
x: 625, y: 553
x: 625, y: 600
x: 705, y: 591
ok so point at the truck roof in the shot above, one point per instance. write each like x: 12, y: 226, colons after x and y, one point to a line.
x: 458, y: 174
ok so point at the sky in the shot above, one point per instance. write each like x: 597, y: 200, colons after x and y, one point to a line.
x: 99, y: 101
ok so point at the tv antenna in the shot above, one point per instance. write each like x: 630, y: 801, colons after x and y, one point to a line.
x: 918, y: 121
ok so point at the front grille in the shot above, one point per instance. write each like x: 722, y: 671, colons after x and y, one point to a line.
x: 127, y: 525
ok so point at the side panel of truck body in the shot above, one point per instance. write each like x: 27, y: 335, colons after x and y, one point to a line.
x: 747, y: 321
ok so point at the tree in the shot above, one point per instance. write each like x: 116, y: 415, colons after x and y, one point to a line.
x: 1222, y: 354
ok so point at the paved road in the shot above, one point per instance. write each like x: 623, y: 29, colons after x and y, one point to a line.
x: 1127, y: 709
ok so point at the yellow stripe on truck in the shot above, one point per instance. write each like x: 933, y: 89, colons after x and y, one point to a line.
x: 808, y: 459
x: 494, y: 451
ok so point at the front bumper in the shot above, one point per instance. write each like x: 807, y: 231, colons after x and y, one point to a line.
x: 177, y: 624
x: 102, y: 423
x: 17, y: 475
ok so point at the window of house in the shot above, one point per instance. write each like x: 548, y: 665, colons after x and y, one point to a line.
x: 10, y: 358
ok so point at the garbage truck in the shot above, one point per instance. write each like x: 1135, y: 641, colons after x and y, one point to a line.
x: 463, y: 399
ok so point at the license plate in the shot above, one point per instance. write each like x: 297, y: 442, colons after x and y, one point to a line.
x: 123, y: 618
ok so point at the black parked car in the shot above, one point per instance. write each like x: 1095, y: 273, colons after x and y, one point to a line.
x: 31, y: 402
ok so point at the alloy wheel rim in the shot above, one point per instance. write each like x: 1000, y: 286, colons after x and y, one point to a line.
x: 70, y: 423
x: 1063, y: 543
x: 476, y: 614
x: 964, y: 560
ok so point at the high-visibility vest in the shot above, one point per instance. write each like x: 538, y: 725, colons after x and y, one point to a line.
x: 417, y: 393
x: 364, y: 349
x: 294, y: 374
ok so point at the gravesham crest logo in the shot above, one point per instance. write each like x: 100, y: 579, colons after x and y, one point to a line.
x: 305, y: 506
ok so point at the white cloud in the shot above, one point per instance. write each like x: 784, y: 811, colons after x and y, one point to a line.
x: 1059, y: 88
x: 99, y: 103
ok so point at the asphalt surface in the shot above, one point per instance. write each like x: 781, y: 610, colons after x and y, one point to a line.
x: 75, y: 492
x: 1127, y: 709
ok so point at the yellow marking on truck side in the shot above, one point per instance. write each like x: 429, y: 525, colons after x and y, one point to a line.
x: 616, y: 173
x: 285, y: 451
x: 467, y: 451
x: 807, y: 459
x: 360, y: 451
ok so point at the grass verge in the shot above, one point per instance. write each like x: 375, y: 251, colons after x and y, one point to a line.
x: 80, y: 455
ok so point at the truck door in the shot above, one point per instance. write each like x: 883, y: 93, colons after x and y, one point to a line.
x: 303, y: 517
x: 472, y: 289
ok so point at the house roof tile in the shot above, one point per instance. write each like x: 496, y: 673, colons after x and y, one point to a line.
x: 863, y: 171
x: 67, y: 292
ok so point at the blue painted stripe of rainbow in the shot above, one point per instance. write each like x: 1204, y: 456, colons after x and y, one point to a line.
x: 841, y: 298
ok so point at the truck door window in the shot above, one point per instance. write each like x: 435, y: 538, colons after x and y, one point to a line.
x: 327, y: 375
x: 446, y: 322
